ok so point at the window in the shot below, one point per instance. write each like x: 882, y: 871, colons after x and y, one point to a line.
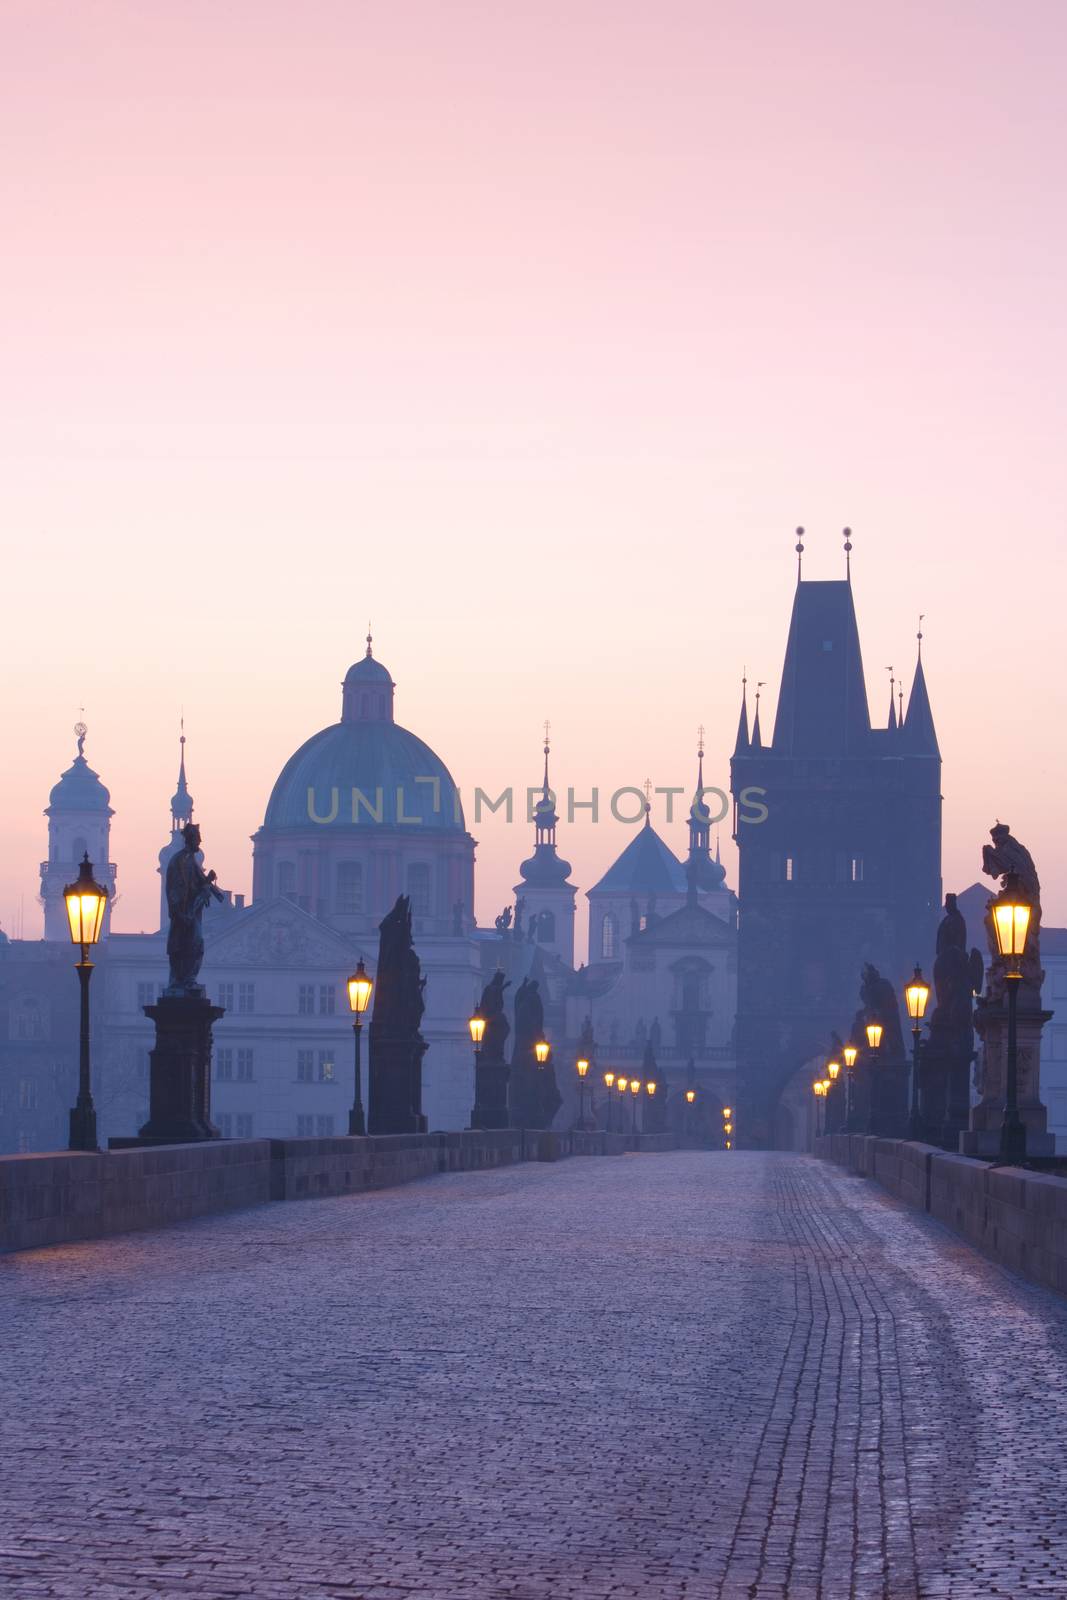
x: 225, y: 1124
x: 244, y: 1125
x: 244, y: 1066
x: 349, y: 887
x: 419, y: 888
x: 305, y: 1127
x: 148, y: 994
x: 223, y: 1064
x: 856, y: 869
x: 27, y: 1019
x: 609, y: 937
x: 27, y: 1094
x: 246, y: 997
x: 642, y: 923
x: 305, y: 1066
x: 325, y: 1066
x: 546, y: 928
x: 324, y: 1127
x: 789, y: 873
x: 327, y: 1000
x: 305, y: 1000
x: 226, y: 996
x: 286, y: 879
x: 1059, y: 983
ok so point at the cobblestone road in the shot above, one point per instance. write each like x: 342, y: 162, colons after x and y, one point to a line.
x: 658, y: 1376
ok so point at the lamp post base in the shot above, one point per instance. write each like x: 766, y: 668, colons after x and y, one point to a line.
x: 83, y: 1128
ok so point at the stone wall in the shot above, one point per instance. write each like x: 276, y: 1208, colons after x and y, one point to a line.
x: 1016, y: 1217
x: 51, y: 1199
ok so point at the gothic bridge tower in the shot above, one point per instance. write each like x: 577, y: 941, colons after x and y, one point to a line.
x: 843, y: 867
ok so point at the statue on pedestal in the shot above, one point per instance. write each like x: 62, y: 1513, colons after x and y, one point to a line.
x: 491, y: 1071
x: 880, y: 1087
x: 1006, y: 855
x: 945, y: 1060
x: 535, y: 1097
x: 396, y: 1045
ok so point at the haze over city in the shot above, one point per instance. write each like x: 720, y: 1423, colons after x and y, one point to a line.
x: 529, y: 334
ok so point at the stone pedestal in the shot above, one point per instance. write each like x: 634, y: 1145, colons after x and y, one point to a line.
x: 944, y: 1088
x: 180, y: 1071
x: 888, y: 1102
x: 982, y: 1135
x: 491, y: 1075
x: 394, y: 1083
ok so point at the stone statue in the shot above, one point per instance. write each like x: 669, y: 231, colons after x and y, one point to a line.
x: 957, y: 978
x: 880, y: 1004
x: 189, y: 890
x: 497, y: 1026
x: 396, y: 1045
x: 520, y: 909
x: 535, y: 1098
x: 502, y: 924
x: 1006, y: 855
x: 655, y: 1034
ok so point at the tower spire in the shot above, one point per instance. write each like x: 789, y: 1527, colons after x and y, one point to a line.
x: 370, y: 642
x: 181, y: 801
x: 741, y: 743
x: 699, y: 827
x: 757, y: 739
x: 892, y: 723
x: 800, y: 550
x: 848, y: 555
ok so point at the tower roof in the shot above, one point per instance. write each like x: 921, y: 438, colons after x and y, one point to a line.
x: 181, y: 801
x: 741, y: 742
x: 822, y: 705
x: 645, y: 867
x: 367, y: 692
x: 545, y: 869
x: 79, y: 788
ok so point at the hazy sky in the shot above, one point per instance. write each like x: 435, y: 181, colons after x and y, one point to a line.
x: 529, y: 331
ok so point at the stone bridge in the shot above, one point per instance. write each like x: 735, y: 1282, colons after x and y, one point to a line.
x: 685, y: 1375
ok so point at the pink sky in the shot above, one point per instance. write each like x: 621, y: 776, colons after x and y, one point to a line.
x: 530, y: 331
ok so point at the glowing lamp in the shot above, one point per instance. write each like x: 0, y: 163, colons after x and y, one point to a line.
x: 916, y: 995
x: 477, y: 1028
x: 726, y: 1111
x: 582, y: 1066
x: 690, y: 1096
x: 86, y: 903
x: 1011, y: 920
x: 609, y: 1079
x: 620, y: 1084
x: 833, y: 1068
x: 360, y: 987
x: 541, y: 1049
x: 635, y: 1085
x: 850, y: 1053
x: 728, y: 1127
x: 874, y: 1035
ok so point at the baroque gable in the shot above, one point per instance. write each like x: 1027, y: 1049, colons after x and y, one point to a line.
x: 279, y: 934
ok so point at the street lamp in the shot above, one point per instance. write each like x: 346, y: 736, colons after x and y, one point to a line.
x: 582, y: 1068
x: 609, y: 1083
x: 360, y: 988
x: 477, y: 1028
x: 635, y: 1090
x: 850, y: 1053
x: 1011, y: 924
x: 86, y: 904
x: 916, y: 994
x: 541, y: 1051
x: 818, y: 1091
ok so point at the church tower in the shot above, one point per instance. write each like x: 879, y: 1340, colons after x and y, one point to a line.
x: 79, y: 823
x: 838, y: 828
x: 545, y: 886
x: 181, y: 812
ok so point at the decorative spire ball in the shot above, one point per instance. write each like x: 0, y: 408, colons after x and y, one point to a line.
x: 848, y: 555
x: 370, y: 641
x: 919, y: 635
x: 800, y: 550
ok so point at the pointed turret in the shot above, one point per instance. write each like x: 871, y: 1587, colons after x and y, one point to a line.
x: 181, y: 813
x: 79, y: 823
x: 545, y: 885
x: 757, y: 737
x: 741, y: 743
x: 920, y: 736
x: 892, y: 723
x: 822, y: 704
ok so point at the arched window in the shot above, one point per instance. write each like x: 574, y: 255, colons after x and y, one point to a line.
x: 419, y: 880
x: 350, y: 886
x: 546, y: 928
x: 609, y: 937
x: 287, y: 879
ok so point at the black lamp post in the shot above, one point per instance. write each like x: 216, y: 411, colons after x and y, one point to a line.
x: 916, y: 994
x: 1011, y: 924
x: 874, y: 1031
x: 360, y: 986
x: 689, y: 1114
x: 86, y: 903
x: 609, y: 1080
x: 581, y: 1066
x: 635, y: 1094
x: 850, y: 1053
x: 833, y: 1072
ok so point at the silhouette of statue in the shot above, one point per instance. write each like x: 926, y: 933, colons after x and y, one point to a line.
x: 655, y: 1105
x: 503, y: 922
x: 189, y: 889
x: 957, y: 978
x: 1006, y: 855
x: 655, y: 1034
x: 880, y: 1005
x: 396, y: 1045
x: 520, y: 908
x: 491, y: 1071
x: 497, y: 1026
x: 535, y: 1099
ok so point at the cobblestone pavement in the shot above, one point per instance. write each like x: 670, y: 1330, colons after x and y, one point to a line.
x: 694, y: 1375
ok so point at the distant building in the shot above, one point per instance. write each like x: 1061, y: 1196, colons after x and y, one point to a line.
x: 845, y: 866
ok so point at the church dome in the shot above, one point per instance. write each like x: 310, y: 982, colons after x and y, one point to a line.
x: 79, y: 788
x: 365, y: 771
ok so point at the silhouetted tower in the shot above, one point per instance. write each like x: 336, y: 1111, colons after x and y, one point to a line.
x: 181, y: 812
x: 844, y: 868
x: 79, y: 823
x: 545, y: 886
